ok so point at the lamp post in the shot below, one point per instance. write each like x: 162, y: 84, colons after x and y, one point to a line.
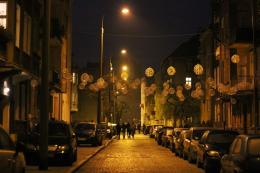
x: 124, y: 11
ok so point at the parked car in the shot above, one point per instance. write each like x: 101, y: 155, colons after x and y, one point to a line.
x: 11, y: 158
x: 147, y: 129
x: 212, y: 146
x: 178, y: 143
x: 62, y: 145
x: 243, y: 156
x: 154, y: 129
x: 166, y: 135
x: 175, y: 135
x: 157, y: 132
x: 191, y: 143
x: 88, y: 133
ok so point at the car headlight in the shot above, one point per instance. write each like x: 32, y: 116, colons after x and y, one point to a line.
x: 62, y: 147
x: 213, y: 153
x: 31, y: 147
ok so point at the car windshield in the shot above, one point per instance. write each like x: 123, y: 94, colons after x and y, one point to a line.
x: 86, y: 127
x: 197, y: 134
x: 57, y: 129
x: 253, y: 146
x: 221, y: 137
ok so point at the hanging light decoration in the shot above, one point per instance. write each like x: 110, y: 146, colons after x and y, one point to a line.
x: 101, y: 83
x: 124, y: 75
x: 198, y: 69
x: 171, y: 71
x: 187, y: 86
x: 217, y: 53
x: 149, y: 72
x: 235, y: 58
x: 84, y: 77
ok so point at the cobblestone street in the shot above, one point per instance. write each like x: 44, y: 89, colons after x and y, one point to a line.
x: 141, y: 154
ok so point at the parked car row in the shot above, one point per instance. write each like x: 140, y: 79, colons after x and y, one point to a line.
x: 63, y: 141
x: 214, y: 150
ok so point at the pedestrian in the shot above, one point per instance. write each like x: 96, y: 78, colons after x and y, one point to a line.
x: 128, y: 126
x: 124, y: 130
x: 144, y: 129
x: 133, y: 130
x: 118, y: 130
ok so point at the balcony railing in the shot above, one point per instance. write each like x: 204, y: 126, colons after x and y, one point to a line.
x: 26, y: 62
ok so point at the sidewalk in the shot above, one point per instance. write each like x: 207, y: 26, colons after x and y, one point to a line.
x: 84, y: 154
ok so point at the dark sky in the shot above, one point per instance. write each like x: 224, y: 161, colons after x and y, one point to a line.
x: 151, y: 33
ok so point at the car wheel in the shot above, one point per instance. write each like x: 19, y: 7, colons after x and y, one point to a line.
x: 198, y: 162
x: 184, y: 155
x: 70, y: 159
x: 76, y: 155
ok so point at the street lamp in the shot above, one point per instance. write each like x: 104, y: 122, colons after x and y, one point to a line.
x: 123, y: 51
x: 125, y: 12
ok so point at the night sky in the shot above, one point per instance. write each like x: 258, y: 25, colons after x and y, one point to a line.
x: 152, y: 32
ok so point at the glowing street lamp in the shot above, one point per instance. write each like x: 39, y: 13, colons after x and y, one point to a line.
x: 125, y: 11
x: 124, y: 68
x: 123, y: 51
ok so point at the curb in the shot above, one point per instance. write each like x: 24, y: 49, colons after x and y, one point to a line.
x: 81, y: 163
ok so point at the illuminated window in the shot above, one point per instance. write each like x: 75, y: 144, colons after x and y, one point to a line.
x: 17, y: 26
x: 3, y: 13
x: 188, y: 81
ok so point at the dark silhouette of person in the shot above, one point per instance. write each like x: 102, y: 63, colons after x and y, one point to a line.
x: 118, y: 130
x: 128, y: 126
x: 124, y: 130
x: 133, y: 130
x: 144, y: 127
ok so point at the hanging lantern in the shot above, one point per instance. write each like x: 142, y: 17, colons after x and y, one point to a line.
x: 198, y: 69
x: 82, y: 86
x: 235, y: 58
x: 124, y: 75
x: 84, y: 77
x: 187, y: 86
x: 171, y: 71
x: 101, y: 83
x: 149, y: 72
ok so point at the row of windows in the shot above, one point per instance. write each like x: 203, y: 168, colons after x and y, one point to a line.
x: 27, y: 23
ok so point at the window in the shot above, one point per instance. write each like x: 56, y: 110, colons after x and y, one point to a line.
x: 188, y: 81
x: 237, y: 147
x: 17, y: 26
x: 27, y: 33
x: 3, y: 13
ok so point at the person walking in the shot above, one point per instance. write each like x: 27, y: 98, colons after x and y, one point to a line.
x: 124, y: 130
x: 118, y: 130
x: 128, y: 126
x: 133, y: 130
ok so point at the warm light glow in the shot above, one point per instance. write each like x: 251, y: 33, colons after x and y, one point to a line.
x: 124, y: 68
x: 198, y: 69
x: 149, y: 72
x: 235, y: 58
x: 125, y: 11
x: 123, y: 51
x: 171, y: 71
x: 6, y: 89
x: 124, y: 75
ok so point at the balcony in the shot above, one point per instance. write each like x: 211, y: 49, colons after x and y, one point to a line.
x: 26, y: 62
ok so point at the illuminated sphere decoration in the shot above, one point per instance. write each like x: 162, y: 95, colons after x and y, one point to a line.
x: 187, y: 86
x: 235, y: 58
x: 84, y: 77
x: 171, y: 71
x: 198, y: 69
x: 124, y: 75
x: 149, y: 72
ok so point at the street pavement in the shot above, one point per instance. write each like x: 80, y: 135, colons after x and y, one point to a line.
x: 141, y: 154
x: 84, y: 154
